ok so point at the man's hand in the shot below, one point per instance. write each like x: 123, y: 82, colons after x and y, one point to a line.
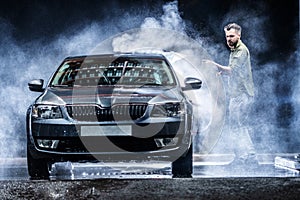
x: 220, y: 67
x: 208, y: 62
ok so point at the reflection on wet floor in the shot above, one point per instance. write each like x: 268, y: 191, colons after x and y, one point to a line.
x: 67, y: 170
x: 204, y: 166
x: 222, y: 166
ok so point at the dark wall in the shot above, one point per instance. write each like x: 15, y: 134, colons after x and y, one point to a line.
x: 33, y: 19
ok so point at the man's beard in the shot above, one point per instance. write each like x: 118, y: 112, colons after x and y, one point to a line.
x: 231, y: 44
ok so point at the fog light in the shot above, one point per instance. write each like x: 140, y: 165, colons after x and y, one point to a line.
x: 50, y: 144
x: 163, y: 142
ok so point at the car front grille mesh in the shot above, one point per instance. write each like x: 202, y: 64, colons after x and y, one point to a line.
x: 119, y: 112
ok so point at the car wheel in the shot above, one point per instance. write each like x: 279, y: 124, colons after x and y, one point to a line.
x: 183, y: 166
x: 37, y: 168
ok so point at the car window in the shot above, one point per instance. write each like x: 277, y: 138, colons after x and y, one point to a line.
x: 121, y: 71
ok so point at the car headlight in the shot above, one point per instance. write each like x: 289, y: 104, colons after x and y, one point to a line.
x: 167, y: 110
x: 46, y: 112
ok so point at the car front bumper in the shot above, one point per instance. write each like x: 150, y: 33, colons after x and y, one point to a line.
x: 157, y: 140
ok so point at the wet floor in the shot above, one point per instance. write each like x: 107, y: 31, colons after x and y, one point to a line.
x: 214, y: 177
x: 205, y: 166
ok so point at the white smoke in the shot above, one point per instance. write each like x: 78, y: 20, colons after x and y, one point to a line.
x: 152, y: 33
x: 168, y: 32
x: 296, y: 99
x: 170, y: 20
x: 24, y: 61
x: 36, y: 59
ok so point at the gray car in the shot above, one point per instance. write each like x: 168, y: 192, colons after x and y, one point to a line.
x: 111, y: 108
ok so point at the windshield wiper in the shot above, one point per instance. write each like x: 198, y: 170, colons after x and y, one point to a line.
x: 152, y: 84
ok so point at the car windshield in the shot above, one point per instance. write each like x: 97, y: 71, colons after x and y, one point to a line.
x: 120, y: 71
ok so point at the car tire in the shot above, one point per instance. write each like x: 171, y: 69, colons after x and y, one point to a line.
x: 183, y: 166
x: 37, y: 168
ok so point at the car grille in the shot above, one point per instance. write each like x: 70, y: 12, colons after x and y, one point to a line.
x: 117, y: 112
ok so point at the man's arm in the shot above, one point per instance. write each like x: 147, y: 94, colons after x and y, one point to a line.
x: 220, y: 67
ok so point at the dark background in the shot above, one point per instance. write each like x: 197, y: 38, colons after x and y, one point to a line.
x: 270, y: 30
x: 283, y: 25
x: 35, y: 19
x: 45, y: 19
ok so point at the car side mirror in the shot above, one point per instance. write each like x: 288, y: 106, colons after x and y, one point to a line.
x: 192, y: 83
x: 36, y: 85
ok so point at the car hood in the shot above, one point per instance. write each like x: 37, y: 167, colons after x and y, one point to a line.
x: 109, y: 95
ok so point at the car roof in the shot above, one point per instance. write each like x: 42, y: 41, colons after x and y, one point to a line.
x: 117, y: 55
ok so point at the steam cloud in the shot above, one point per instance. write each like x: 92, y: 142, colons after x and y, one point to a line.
x: 21, y: 63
